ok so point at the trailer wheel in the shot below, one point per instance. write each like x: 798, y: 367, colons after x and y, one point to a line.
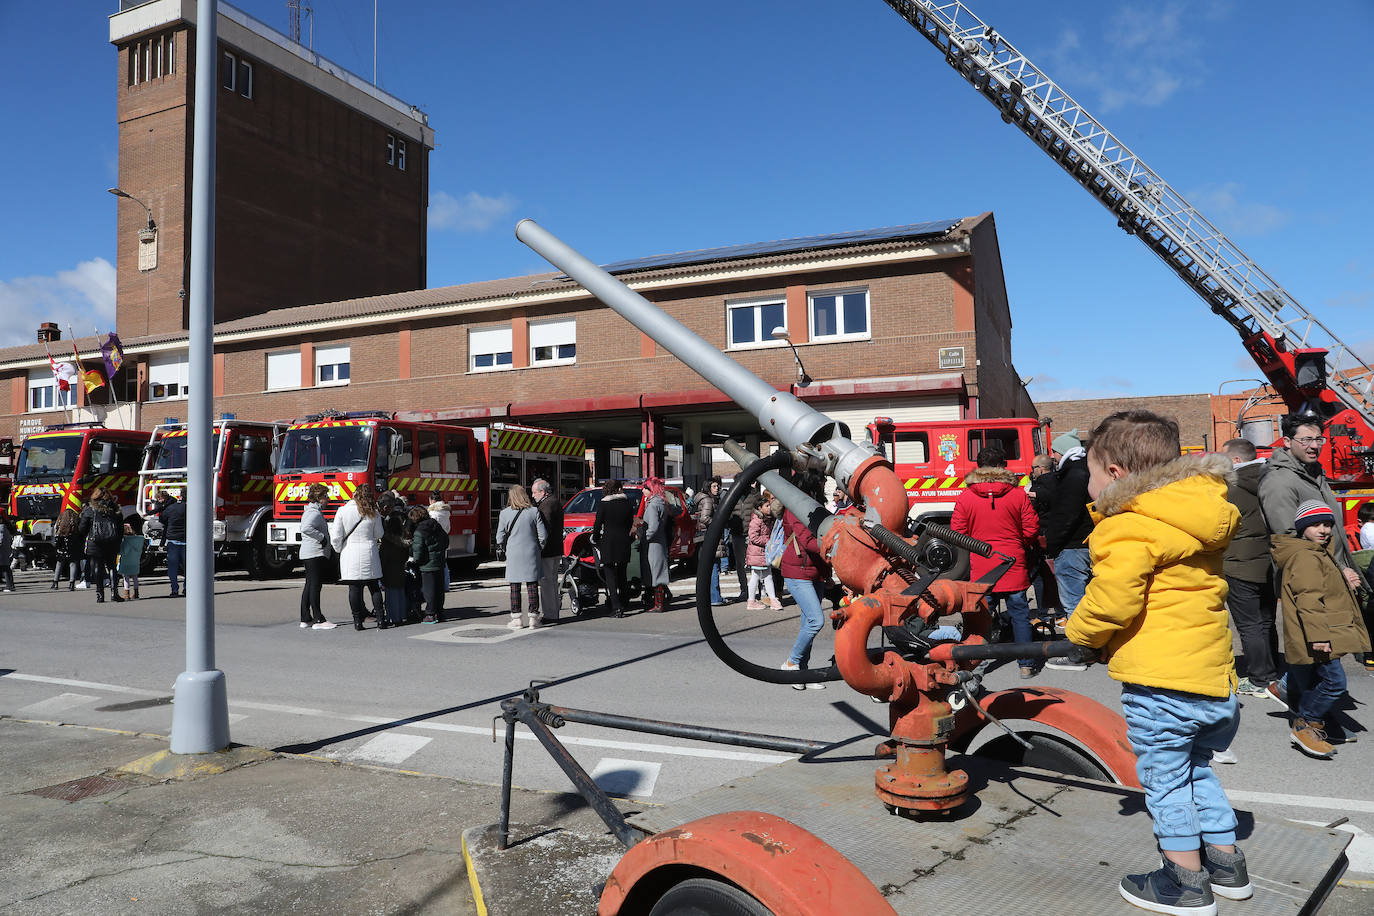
x: 1046, y: 753
x: 707, y: 897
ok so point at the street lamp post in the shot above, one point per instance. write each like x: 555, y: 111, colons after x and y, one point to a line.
x: 802, y: 378
x: 117, y: 192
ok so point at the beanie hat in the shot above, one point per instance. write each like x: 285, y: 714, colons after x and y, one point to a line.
x: 1065, y: 442
x: 1312, y: 512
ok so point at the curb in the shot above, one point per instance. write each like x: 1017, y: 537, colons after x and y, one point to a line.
x: 473, y: 883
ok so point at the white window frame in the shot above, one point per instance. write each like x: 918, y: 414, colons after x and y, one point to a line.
x: 283, y: 358
x: 552, y: 335
x: 233, y: 60
x: 329, y: 357
x: 813, y: 295
x: 766, y: 339
x: 169, y: 369
x: 390, y: 149
x: 43, y: 380
x: 245, y: 79
x: 400, y: 154
x: 488, y: 342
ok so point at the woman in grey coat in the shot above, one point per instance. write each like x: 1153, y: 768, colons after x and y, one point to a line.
x: 522, y: 533
x: 658, y: 534
x: 314, y: 554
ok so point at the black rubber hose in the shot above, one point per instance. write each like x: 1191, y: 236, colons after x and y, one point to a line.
x: 705, y: 614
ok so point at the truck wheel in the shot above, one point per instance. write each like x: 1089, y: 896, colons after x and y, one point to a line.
x: 148, y: 562
x: 1046, y: 753
x: 260, y: 560
x: 707, y: 897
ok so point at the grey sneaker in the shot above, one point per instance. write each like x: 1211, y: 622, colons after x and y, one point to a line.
x: 1248, y: 688
x: 1226, y: 873
x: 1171, y: 889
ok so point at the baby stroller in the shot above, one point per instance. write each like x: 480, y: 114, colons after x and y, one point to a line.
x: 582, y: 582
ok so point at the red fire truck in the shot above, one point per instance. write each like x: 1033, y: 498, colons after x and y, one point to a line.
x: 241, y: 486
x: 934, y: 458
x: 61, y: 466
x: 472, y: 469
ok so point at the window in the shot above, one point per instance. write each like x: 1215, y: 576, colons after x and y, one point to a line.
x: 390, y: 149
x: 1005, y: 439
x: 396, y: 152
x: 455, y: 454
x: 245, y: 79
x: 167, y: 377
x: 401, y: 155
x: 128, y: 456
x: 911, y: 448
x: 429, y: 451
x: 283, y: 370
x: 553, y: 342
x: 751, y: 323
x: 489, y: 348
x: 44, y: 393
x: 396, y: 444
x: 332, y: 365
x: 151, y: 58
x: 228, y: 71
x: 839, y: 314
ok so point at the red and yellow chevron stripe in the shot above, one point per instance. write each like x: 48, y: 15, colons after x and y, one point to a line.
x: 296, y: 491
x: 434, y: 484
x: 320, y: 423
x: 949, y: 483
x: 514, y: 440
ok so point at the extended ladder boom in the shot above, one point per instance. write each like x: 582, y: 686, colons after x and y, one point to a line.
x: 1235, y: 288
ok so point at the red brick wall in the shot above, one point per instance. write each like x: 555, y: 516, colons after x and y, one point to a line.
x: 307, y: 210
x: 1192, y: 411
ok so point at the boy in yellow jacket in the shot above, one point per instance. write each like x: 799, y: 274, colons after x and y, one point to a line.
x: 1156, y: 608
x: 1321, y: 622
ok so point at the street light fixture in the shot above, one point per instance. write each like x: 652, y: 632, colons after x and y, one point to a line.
x: 802, y: 378
x: 119, y: 193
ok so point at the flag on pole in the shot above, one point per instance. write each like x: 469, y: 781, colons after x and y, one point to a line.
x: 90, y: 378
x: 112, y: 351
x: 64, y: 373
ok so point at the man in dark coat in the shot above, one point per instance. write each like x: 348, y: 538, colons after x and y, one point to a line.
x: 1067, y: 524
x: 172, y: 514
x: 550, y: 601
x: 1246, y: 565
x: 611, y: 535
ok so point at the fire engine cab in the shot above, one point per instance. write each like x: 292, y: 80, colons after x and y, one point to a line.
x: 934, y: 458
x: 241, y: 486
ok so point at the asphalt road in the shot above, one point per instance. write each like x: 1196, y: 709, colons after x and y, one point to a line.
x: 422, y: 698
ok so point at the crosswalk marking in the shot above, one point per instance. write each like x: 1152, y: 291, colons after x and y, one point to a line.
x: 60, y: 703
x: 626, y: 777
x: 388, y: 750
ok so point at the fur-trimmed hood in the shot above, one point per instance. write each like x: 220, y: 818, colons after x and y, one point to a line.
x: 1188, y: 493
x: 992, y: 475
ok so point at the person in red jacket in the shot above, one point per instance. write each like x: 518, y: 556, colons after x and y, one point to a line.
x: 805, y: 574
x: 995, y: 509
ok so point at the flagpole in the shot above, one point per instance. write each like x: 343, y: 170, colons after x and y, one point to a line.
x: 57, y: 382
x: 80, y: 369
x: 109, y: 376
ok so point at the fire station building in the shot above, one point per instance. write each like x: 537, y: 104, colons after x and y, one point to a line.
x: 910, y: 322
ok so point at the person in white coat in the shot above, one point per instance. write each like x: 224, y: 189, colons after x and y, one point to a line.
x: 521, y: 533
x: 355, y: 533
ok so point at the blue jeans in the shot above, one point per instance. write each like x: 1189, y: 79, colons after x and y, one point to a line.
x: 394, y: 597
x: 176, y: 562
x: 1019, y: 610
x: 1072, y: 570
x: 1314, y: 689
x: 717, y: 567
x: 808, y: 595
x: 1174, y: 735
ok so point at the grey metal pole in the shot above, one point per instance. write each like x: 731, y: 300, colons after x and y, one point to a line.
x: 200, y: 710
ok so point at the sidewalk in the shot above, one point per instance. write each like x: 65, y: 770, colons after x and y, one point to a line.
x: 271, y: 834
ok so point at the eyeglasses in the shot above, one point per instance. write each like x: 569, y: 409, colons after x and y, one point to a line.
x: 1311, y: 440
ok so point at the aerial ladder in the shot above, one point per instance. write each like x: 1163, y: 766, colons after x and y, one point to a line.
x: 1309, y: 367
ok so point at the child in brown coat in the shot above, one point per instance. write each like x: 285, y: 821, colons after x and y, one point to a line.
x: 1321, y: 622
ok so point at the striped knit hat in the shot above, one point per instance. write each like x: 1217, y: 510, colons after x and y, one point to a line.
x: 1310, y: 513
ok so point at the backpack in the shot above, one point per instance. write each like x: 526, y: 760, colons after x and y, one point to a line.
x: 777, y: 542
x: 105, y: 535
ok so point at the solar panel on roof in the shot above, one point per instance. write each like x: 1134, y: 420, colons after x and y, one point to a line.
x: 755, y: 249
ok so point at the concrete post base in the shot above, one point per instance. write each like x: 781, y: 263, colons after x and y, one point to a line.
x: 200, y: 713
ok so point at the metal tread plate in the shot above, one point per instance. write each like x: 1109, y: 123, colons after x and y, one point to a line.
x: 1030, y: 841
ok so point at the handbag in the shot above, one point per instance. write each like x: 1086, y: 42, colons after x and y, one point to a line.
x: 501, y: 547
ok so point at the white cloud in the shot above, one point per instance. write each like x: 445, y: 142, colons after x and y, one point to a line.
x: 1145, y: 53
x: 472, y: 212
x: 1223, y: 205
x: 83, y: 297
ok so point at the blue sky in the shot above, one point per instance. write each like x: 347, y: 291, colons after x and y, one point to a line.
x: 632, y: 129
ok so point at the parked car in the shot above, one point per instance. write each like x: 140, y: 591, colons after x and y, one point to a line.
x: 580, y: 513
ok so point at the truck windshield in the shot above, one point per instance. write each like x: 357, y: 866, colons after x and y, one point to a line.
x: 171, y: 452
x: 326, y: 448
x: 49, y: 458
